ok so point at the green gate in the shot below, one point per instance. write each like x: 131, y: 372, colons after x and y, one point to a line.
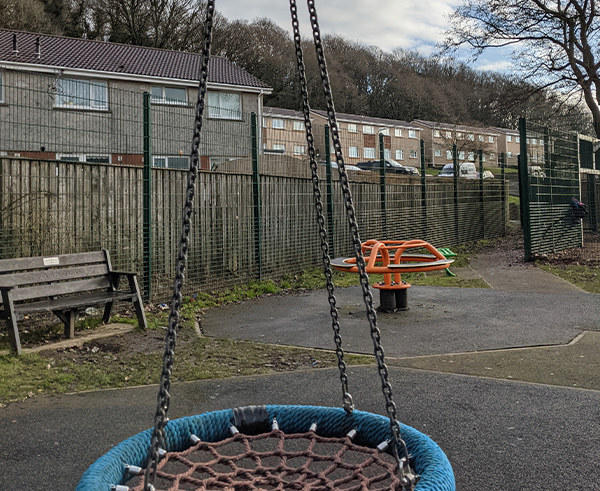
x: 549, y: 177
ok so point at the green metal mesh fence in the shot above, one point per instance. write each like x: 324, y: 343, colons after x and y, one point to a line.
x: 82, y: 178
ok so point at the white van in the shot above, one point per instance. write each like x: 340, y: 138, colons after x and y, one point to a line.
x: 467, y: 169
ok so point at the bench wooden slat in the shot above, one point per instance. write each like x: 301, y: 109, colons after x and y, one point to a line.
x: 74, y: 302
x: 54, y: 274
x: 25, y: 263
x: 57, y: 289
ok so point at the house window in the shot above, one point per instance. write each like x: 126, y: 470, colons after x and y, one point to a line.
x: 509, y: 155
x: 491, y: 139
x: 81, y: 94
x: 168, y: 95
x: 437, y: 133
x: 353, y: 152
x: 387, y: 153
x: 384, y: 131
x: 534, y: 141
x: 448, y: 134
x: 542, y: 141
x: 279, y: 147
x: 481, y: 138
x: 471, y: 137
x: 461, y: 155
x: 471, y: 156
x: 298, y: 125
x: 352, y: 128
x: 278, y: 124
x: 413, y: 154
x: 449, y: 154
x: 74, y: 157
x: 518, y: 139
x: 224, y: 105
x: 509, y: 138
x: 399, y: 154
x: 171, y: 162
x: 412, y: 133
x: 368, y: 153
x: 438, y: 153
x: 459, y: 135
x: 299, y: 149
x: 368, y: 130
x: 483, y: 157
x: 398, y: 132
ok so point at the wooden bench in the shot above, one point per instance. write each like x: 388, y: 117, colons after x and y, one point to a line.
x: 63, y: 285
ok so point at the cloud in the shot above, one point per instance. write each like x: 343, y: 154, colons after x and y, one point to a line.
x: 384, y: 23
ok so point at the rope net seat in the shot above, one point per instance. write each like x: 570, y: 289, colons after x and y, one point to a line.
x: 196, y: 453
x: 311, y: 448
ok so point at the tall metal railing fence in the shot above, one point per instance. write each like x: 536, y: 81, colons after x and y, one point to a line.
x: 74, y: 180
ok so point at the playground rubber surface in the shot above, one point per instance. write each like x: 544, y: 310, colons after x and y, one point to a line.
x: 494, y: 376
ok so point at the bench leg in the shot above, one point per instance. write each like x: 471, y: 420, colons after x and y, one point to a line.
x: 138, y: 304
x: 13, y: 331
x: 107, y: 311
x: 70, y: 324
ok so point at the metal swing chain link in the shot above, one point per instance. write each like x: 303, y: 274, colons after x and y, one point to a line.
x: 407, y: 476
x: 163, y: 398
x: 335, y: 321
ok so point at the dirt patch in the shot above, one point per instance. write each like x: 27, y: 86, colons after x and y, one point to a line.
x: 588, y: 255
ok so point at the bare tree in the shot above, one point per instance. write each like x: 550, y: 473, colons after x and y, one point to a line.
x: 28, y: 15
x: 555, y: 42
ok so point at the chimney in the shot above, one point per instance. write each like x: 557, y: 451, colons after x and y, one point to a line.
x: 15, y: 50
x: 37, y: 48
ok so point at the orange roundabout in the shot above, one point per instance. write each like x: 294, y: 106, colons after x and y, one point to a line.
x: 392, y: 258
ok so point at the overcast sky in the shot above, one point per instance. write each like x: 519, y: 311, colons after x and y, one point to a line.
x: 409, y: 24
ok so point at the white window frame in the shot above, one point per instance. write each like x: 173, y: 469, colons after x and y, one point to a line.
x: 299, y: 126
x: 413, y: 154
x: 352, y: 128
x: 437, y: 152
x: 387, y: 153
x: 215, y: 109
x: 471, y: 137
x: 399, y: 154
x: 437, y: 134
x: 353, y: 152
x: 398, y: 132
x: 278, y: 124
x: 481, y: 138
x: 509, y: 155
x: 490, y: 139
x: 412, y: 133
x: 461, y: 155
x: 509, y: 138
x: 280, y: 147
x: 518, y: 139
x: 163, y: 98
x: 448, y: 134
x: 384, y: 131
x: 299, y: 149
x: 471, y: 156
x: 369, y: 152
x: 94, y: 105
x: 448, y: 154
x: 368, y: 130
x: 83, y: 157
x: 166, y: 158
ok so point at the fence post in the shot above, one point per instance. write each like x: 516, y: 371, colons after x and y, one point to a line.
x: 481, y: 193
x: 456, y: 173
x: 423, y: 190
x: 329, y: 190
x: 505, y: 206
x: 592, y: 205
x: 382, y: 190
x: 256, y: 195
x: 147, y: 198
x: 524, y: 189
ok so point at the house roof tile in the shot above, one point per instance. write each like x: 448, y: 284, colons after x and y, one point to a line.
x: 72, y: 53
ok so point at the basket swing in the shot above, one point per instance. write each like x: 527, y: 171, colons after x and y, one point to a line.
x: 275, y: 447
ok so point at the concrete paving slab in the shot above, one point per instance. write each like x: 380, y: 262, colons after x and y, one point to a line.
x: 497, y: 434
x: 440, y: 320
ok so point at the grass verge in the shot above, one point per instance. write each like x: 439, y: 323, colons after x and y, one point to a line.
x: 585, y: 277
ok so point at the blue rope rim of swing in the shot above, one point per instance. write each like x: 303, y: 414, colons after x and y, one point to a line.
x: 429, y: 461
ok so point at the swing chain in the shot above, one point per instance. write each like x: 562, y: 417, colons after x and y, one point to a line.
x: 335, y: 321
x: 407, y: 476
x: 163, y: 398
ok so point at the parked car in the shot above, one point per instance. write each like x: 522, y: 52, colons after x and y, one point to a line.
x: 346, y: 166
x: 467, y: 170
x: 535, y: 171
x: 391, y: 166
